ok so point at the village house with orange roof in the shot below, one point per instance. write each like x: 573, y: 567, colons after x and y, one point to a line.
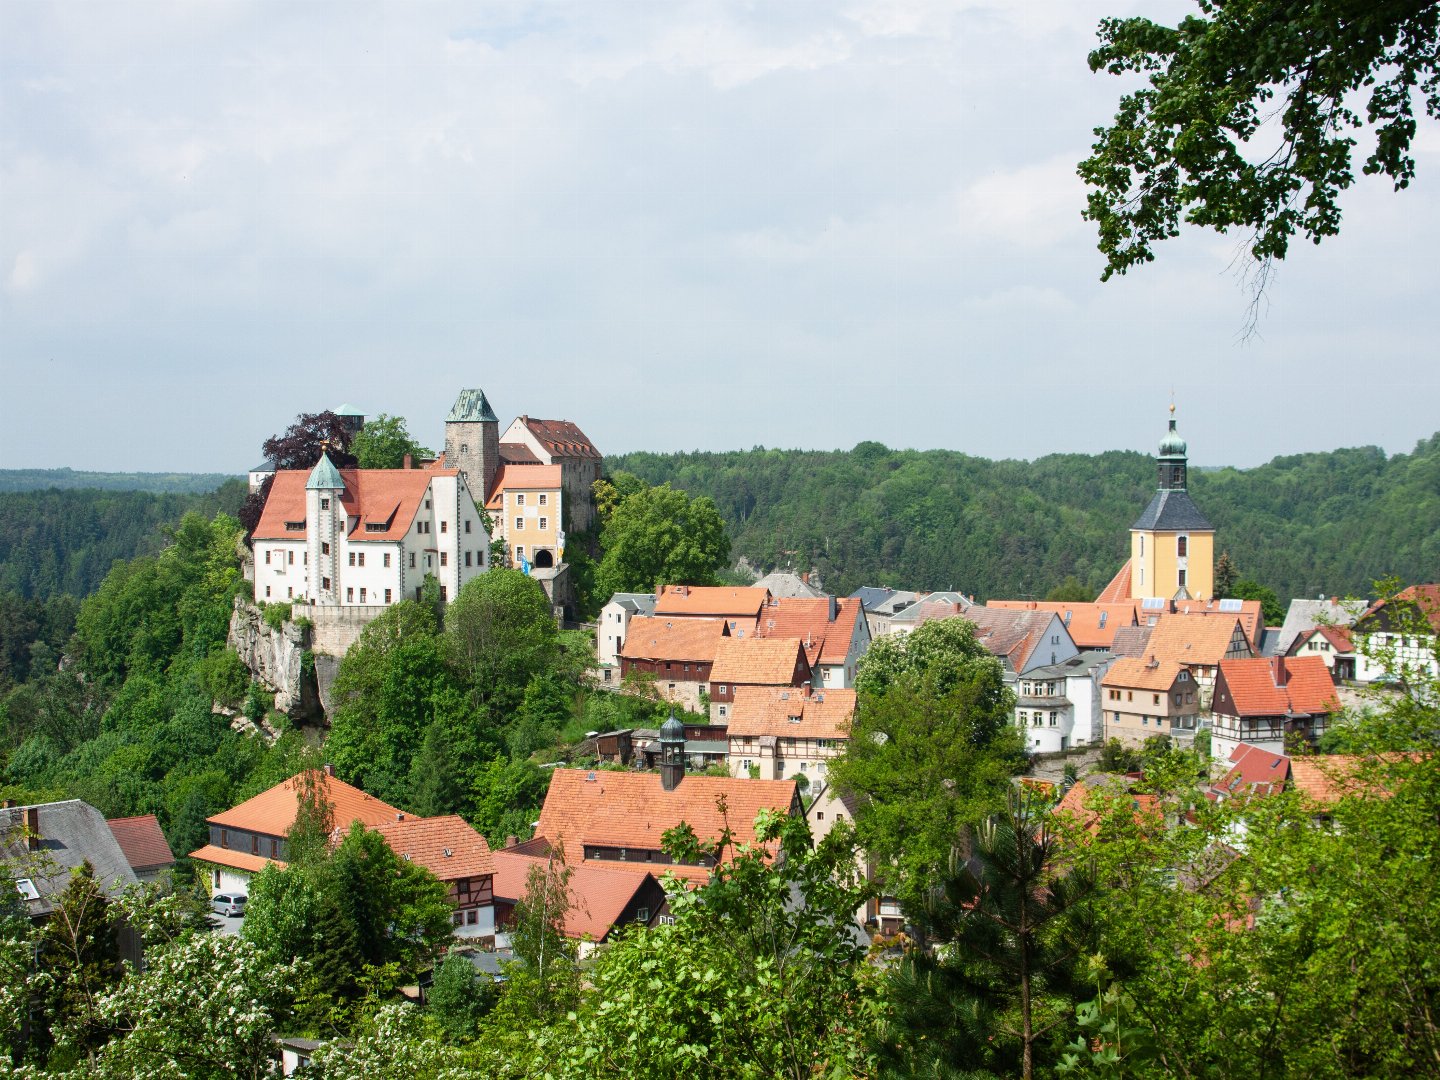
x: 1146, y: 697
x: 1269, y: 702
x: 144, y: 844
x: 1090, y: 625
x: 454, y: 851
x: 752, y: 661
x: 739, y: 607
x: 1397, y: 638
x: 1333, y: 644
x: 603, y: 899
x: 618, y: 819
x: 833, y: 630
x: 776, y: 733
x: 678, y: 654
x: 1199, y: 643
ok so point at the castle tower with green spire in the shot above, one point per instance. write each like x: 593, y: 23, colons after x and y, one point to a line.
x: 325, y: 513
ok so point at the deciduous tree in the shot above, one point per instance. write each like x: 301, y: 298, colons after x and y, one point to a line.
x: 383, y: 443
x: 661, y: 536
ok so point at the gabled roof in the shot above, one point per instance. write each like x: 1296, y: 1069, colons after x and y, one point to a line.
x: 1013, y: 636
x: 1119, y: 587
x: 522, y: 478
x: 1172, y: 510
x: 935, y: 605
x: 1091, y: 625
x: 471, y: 407
x: 272, y: 812
x: 449, y: 847
x: 1423, y: 601
x: 651, y: 637
x: 561, y: 438
x: 389, y: 497
x: 766, y: 710
x: 599, y: 894
x: 1076, y: 806
x: 1253, y: 771
x: 1339, y: 638
x: 826, y: 641
x: 239, y: 860
x: 757, y: 661
x: 634, y: 602
x: 143, y: 843
x: 633, y: 810
x: 710, y: 600
x: 781, y: 583
x: 1303, y: 615
x: 1276, y: 686
x: 1131, y: 673
x: 1193, y: 639
x: 71, y: 833
x: 884, y: 600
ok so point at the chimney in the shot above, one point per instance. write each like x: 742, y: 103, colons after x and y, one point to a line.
x: 32, y: 827
x: 805, y: 576
x: 399, y: 817
x: 834, y: 608
x: 329, y: 769
x: 512, y: 841
x: 409, y: 463
x: 1279, y: 671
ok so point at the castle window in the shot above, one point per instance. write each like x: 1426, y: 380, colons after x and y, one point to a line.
x: 467, y: 558
x: 467, y: 526
x: 544, y: 524
x: 290, y: 594
x: 352, y: 558
x: 519, y: 524
x: 324, y: 504
x: 324, y: 549
x: 1182, y: 576
x: 444, y: 526
x: 412, y: 560
x: 444, y: 558
x: 542, y: 500
x: 291, y: 559
x: 520, y: 499
x: 519, y: 552
x: 267, y: 556
x: 427, y: 504
x: 387, y: 596
x: 1182, y: 544
x: 464, y: 448
x: 350, y: 595
x: 386, y: 557
x: 267, y: 592
x: 294, y: 526
x: 325, y: 583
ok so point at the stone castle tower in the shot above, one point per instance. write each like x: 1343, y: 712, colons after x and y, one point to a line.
x: 472, y: 442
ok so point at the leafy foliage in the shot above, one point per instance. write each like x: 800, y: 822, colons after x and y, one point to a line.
x: 657, y: 535
x: 1192, y: 144
x: 383, y: 443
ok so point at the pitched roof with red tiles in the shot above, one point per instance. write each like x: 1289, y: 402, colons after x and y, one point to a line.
x: 758, y: 661
x: 1327, y: 778
x: 372, y: 497
x: 1338, y: 637
x: 1092, y: 626
x: 1193, y: 639
x: 272, y: 812
x: 1011, y: 635
x: 1254, y: 771
x: 707, y: 600
x: 1276, y: 686
x: 1118, y: 590
x: 522, y: 478
x: 1247, y: 612
x: 1421, y: 601
x: 1081, y: 804
x: 765, y: 710
x: 143, y: 843
x: 599, y: 894
x: 653, y: 638
x: 1135, y: 673
x: 240, y: 860
x: 1132, y: 641
x: 632, y: 810
x: 562, y: 438
x: 826, y: 641
x: 449, y: 847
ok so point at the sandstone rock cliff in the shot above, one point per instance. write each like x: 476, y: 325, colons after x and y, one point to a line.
x: 276, y: 659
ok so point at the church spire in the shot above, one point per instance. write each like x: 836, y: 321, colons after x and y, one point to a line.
x: 1172, y: 461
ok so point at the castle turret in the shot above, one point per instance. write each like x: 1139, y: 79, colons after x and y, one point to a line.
x: 325, y: 528
x: 472, y: 442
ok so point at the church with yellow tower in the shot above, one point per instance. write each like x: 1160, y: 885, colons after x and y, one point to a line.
x: 1172, y: 545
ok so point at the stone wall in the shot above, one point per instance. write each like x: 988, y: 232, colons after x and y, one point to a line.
x: 335, y: 629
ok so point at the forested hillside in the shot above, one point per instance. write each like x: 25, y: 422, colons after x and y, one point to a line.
x: 54, y: 541
x: 75, y: 479
x: 1305, y: 524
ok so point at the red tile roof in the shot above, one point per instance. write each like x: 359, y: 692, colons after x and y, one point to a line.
x: 372, y: 496
x: 522, y: 478
x: 1092, y: 626
x: 757, y: 661
x: 1423, y: 600
x: 239, y: 860
x: 710, y: 600
x: 1277, y: 686
x: 1195, y: 640
x: 561, y: 438
x: 599, y: 894
x: 633, y: 810
x: 143, y: 843
x: 448, y: 847
x: 1339, y: 638
x: 765, y: 710
x: 1254, y: 771
x: 272, y: 812
x: 1134, y: 673
x: 1119, y: 588
x: 808, y: 619
x: 1079, y: 807
x: 1011, y: 635
x: 693, y: 640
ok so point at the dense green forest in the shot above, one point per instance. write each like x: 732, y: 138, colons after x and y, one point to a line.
x: 75, y: 479
x: 1304, y: 524
x: 57, y: 541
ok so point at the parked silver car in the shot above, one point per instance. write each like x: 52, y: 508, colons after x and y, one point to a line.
x: 231, y: 904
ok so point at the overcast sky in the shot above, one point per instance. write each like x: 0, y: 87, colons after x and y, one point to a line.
x: 681, y: 225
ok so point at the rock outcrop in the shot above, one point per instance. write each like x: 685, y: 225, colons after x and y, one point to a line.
x: 276, y: 659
